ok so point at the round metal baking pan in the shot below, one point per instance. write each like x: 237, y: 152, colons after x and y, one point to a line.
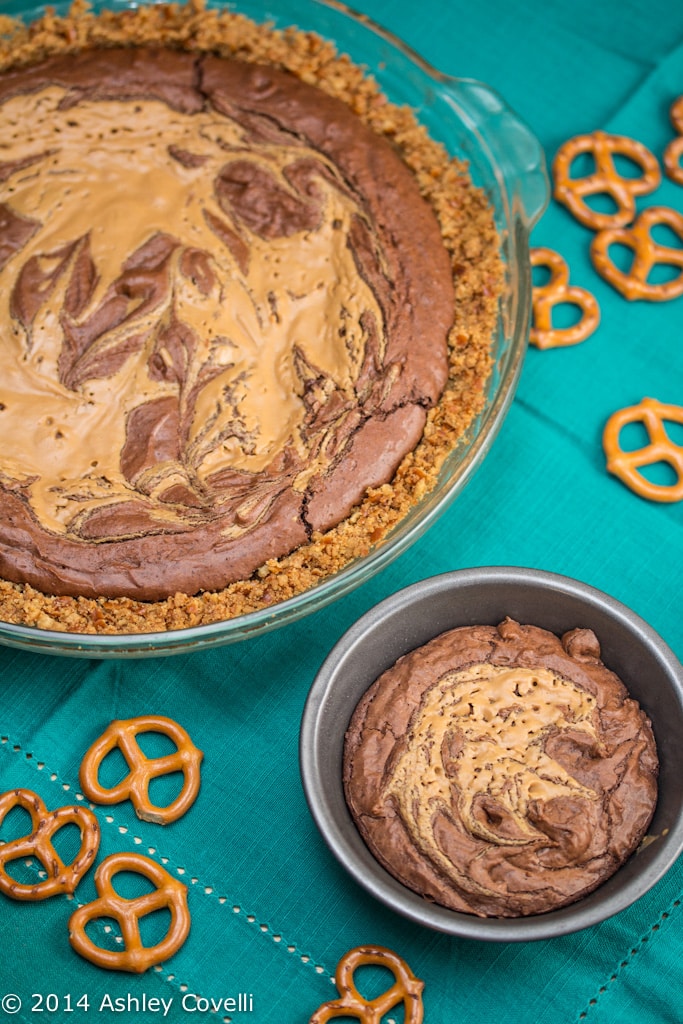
x: 411, y: 617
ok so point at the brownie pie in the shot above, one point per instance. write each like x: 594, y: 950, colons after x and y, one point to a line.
x: 229, y: 313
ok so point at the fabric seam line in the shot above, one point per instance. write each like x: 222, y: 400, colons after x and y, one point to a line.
x: 209, y: 891
x: 628, y: 960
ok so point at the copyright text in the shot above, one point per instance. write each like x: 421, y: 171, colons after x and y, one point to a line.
x: 189, y: 1002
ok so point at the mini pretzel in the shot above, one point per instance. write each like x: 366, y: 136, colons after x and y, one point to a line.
x: 406, y: 990
x: 605, y: 180
x: 674, y: 151
x: 61, y: 878
x: 626, y: 465
x: 135, y: 785
x: 558, y: 291
x: 134, y: 957
x: 646, y: 254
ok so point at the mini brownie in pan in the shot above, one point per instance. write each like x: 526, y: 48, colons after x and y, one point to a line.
x: 501, y: 771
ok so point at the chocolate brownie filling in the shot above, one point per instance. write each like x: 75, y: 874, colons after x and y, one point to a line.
x: 501, y: 771
x: 225, y: 316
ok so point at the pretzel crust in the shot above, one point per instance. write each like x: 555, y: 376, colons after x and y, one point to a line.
x: 606, y: 180
x: 406, y: 990
x: 135, y: 786
x: 626, y: 465
x: 558, y: 291
x: 646, y: 254
x: 136, y: 958
x: 62, y: 878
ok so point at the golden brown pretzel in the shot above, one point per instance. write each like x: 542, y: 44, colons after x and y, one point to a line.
x: 61, y: 878
x: 674, y: 151
x: 134, y: 957
x: 646, y: 254
x: 406, y: 990
x: 627, y: 465
x: 558, y: 291
x: 605, y: 180
x: 135, y: 785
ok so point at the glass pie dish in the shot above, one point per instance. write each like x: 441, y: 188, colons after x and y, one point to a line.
x: 505, y: 160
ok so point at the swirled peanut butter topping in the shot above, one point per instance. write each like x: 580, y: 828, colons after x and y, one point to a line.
x: 224, y: 315
x: 501, y: 770
x: 148, y: 286
x: 481, y: 732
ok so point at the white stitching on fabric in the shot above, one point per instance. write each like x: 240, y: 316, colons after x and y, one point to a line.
x: 208, y: 890
x: 629, y: 959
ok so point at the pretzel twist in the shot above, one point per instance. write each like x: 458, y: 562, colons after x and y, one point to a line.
x: 134, y: 957
x: 558, y: 291
x: 674, y: 151
x: 61, y: 878
x: 646, y: 254
x: 626, y: 465
x: 406, y: 990
x: 135, y: 786
x: 605, y: 180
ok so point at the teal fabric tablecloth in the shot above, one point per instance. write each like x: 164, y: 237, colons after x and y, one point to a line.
x: 272, y: 912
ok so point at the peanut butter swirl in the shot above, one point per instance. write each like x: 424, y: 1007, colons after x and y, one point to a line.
x: 503, y: 772
x: 223, y: 315
x: 480, y: 724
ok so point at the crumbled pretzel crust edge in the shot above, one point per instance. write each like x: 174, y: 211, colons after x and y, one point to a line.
x: 469, y: 234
